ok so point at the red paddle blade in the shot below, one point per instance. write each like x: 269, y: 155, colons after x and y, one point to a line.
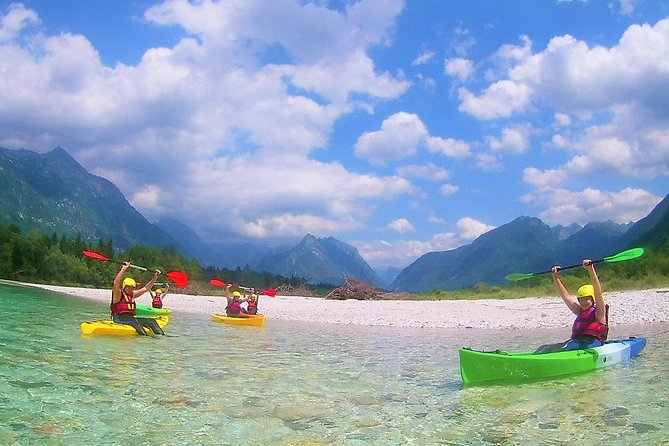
x: 179, y: 278
x: 217, y: 282
x: 270, y: 293
x: 95, y: 255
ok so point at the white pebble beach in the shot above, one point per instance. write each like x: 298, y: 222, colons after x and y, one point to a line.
x: 626, y: 308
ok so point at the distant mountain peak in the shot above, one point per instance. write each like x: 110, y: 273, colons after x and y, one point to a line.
x: 325, y: 260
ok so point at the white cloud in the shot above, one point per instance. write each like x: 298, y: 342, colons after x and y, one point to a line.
x: 619, y: 95
x: 423, y: 58
x: 488, y: 162
x: 462, y: 41
x: 381, y: 253
x: 546, y: 178
x: 399, y: 138
x: 509, y: 54
x: 15, y: 19
x: 323, y: 195
x: 459, y: 68
x: 514, y: 139
x: 435, y: 220
x: 501, y: 100
x: 448, y: 189
x: 562, y: 120
x: 429, y: 171
x: 627, y: 7
x: 401, y: 225
x: 448, y: 146
x: 592, y: 205
x: 471, y: 229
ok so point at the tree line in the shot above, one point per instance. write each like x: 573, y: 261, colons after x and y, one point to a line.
x: 58, y: 260
x: 37, y: 258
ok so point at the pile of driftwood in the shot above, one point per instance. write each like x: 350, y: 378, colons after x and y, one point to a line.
x: 352, y: 289
x: 355, y: 289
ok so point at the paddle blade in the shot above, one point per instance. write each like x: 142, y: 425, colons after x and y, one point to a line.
x: 95, y: 255
x: 625, y: 255
x: 217, y: 282
x: 179, y: 278
x: 518, y: 276
x: 269, y: 292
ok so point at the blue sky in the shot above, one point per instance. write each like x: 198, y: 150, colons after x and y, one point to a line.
x: 398, y: 127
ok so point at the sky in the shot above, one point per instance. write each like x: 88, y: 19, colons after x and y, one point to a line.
x: 399, y: 127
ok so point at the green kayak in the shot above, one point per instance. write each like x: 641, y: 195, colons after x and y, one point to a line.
x: 146, y: 311
x: 477, y: 367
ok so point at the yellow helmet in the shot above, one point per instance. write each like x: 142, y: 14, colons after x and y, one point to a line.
x: 129, y: 281
x: 586, y: 291
x: 159, y: 291
x: 254, y: 295
x: 236, y: 293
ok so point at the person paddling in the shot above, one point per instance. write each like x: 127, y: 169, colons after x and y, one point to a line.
x: 591, y: 327
x: 251, y: 303
x: 123, y: 307
x: 157, y: 298
x: 234, y: 307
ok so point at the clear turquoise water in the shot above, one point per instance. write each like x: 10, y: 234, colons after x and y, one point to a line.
x: 299, y: 384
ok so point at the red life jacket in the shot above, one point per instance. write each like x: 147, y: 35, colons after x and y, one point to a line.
x: 586, y: 324
x: 234, y: 307
x: 252, y: 307
x: 157, y: 301
x: 124, y: 306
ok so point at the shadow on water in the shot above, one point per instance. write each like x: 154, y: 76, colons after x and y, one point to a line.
x: 299, y: 383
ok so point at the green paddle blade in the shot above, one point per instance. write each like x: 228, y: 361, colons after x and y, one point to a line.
x: 518, y: 276
x: 630, y: 254
x: 625, y: 255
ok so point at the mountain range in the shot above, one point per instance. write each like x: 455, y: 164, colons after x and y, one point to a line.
x: 51, y: 192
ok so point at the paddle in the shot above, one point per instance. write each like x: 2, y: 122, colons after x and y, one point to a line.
x: 268, y: 292
x: 629, y: 254
x: 179, y: 278
x: 217, y: 282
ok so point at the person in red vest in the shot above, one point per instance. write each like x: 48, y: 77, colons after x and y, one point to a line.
x: 591, y: 327
x: 234, y: 307
x: 251, y: 303
x: 157, y: 298
x: 123, y: 307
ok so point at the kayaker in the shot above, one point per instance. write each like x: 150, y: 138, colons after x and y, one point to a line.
x: 123, y: 305
x: 251, y: 304
x: 590, y: 328
x: 157, y: 298
x: 234, y: 307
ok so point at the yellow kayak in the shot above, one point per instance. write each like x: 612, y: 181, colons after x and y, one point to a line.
x: 252, y: 320
x: 110, y: 328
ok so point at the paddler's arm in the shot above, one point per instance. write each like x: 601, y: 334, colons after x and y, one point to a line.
x: 116, y: 290
x: 148, y: 285
x: 228, y: 298
x: 573, y: 305
x: 600, y: 305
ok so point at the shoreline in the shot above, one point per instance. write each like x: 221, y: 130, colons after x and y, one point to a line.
x: 529, y: 312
